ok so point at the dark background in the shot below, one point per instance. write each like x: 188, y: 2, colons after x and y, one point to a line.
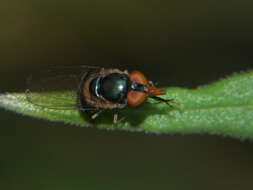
x: 176, y: 43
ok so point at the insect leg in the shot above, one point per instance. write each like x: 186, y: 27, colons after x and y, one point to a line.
x: 160, y: 100
x: 151, y: 83
x: 95, y: 115
x: 115, y: 118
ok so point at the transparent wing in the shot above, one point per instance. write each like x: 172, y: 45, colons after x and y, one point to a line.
x: 57, y: 87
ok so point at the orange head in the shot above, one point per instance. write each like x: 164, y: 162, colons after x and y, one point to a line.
x: 141, y: 89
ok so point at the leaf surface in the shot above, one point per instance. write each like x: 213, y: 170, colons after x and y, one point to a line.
x: 222, y: 108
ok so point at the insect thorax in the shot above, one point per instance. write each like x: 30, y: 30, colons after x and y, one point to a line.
x: 90, y: 95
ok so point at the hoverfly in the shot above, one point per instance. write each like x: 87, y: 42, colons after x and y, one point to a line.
x: 91, y: 89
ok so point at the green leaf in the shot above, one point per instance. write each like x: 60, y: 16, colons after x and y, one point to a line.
x: 222, y: 108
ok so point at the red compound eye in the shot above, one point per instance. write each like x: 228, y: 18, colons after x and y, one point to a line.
x: 137, y: 76
x: 135, y: 98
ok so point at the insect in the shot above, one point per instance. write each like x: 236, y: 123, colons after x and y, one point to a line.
x: 91, y: 90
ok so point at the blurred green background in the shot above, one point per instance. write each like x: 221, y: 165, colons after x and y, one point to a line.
x: 175, y: 43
